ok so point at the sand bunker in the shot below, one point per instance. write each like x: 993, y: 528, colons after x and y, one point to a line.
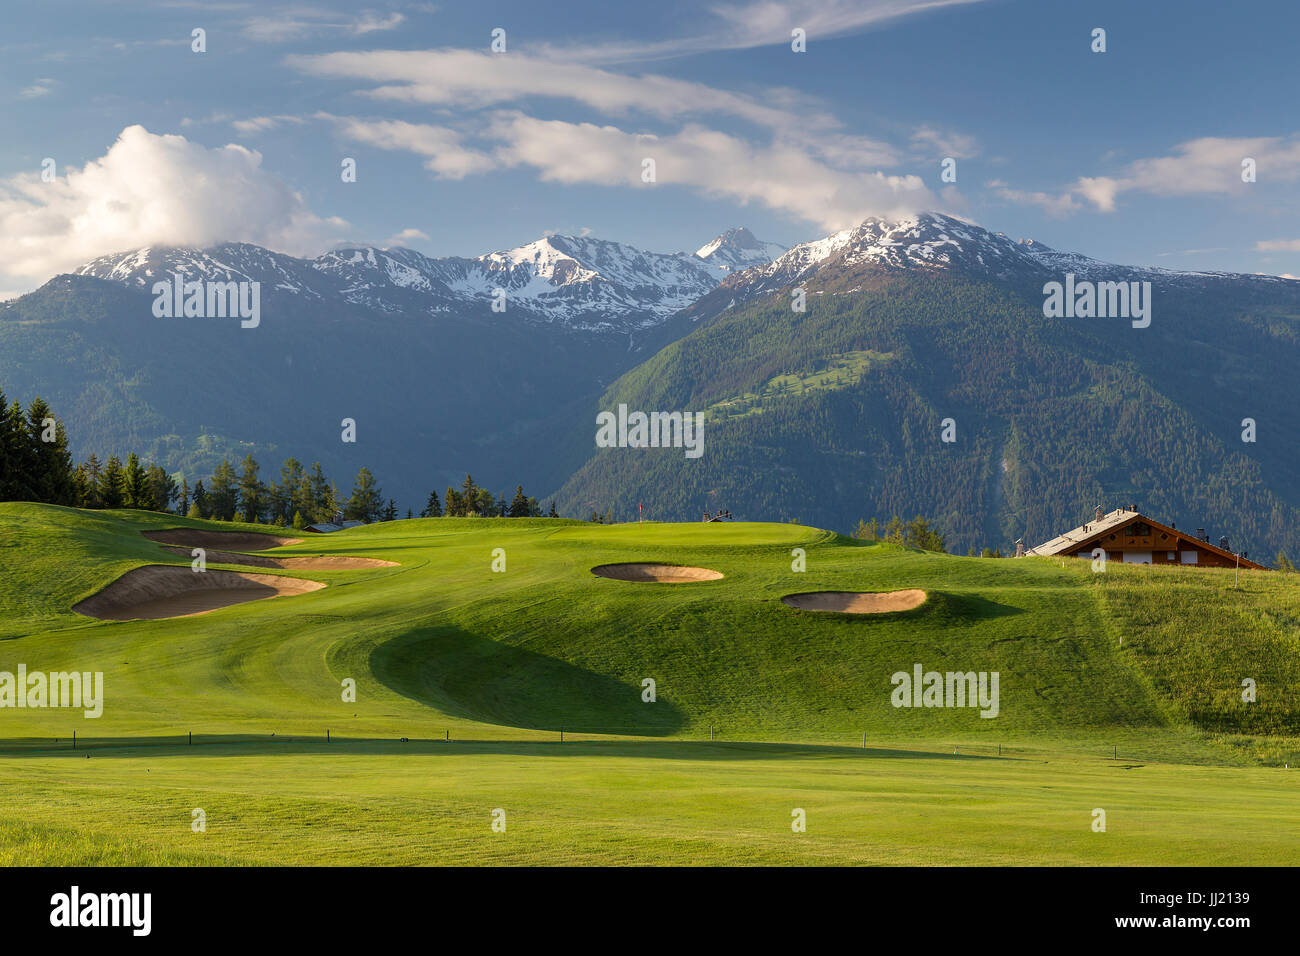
x: 327, y: 562
x: 158, y: 591
x: 655, y: 573
x: 857, y: 602
x: 234, y: 540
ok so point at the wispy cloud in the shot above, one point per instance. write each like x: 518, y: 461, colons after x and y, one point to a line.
x: 802, y: 163
x: 1278, y: 245
x: 782, y: 177
x: 1057, y: 205
x: 473, y: 79
x: 943, y: 143
x: 297, y: 23
x: 443, y: 148
x: 1211, y: 165
x: 260, y: 124
x: 745, y: 25
x: 42, y: 87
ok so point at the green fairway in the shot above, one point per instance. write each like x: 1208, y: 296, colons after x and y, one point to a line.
x: 1119, y: 691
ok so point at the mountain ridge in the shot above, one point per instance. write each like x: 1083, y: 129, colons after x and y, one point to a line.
x: 574, y: 282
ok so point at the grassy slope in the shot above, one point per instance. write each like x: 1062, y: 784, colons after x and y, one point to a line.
x: 443, y: 644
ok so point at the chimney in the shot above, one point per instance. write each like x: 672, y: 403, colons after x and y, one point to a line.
x: 1099, y: 515
x: 1223, y: 543
x: 1020, y: 548
x: 1201, y: 535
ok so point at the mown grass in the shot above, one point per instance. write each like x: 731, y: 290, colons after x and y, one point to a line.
x: 1140, y: 664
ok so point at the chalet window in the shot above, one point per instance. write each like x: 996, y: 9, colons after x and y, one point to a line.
x: 1139, y: 530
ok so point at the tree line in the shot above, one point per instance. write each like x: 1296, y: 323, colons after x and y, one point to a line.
x: 917, y: 533
x: 36, y: 465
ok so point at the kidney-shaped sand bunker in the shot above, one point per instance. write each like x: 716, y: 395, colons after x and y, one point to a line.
x: 655, y: 573
x: 857, y: 602
x: 163, y: 590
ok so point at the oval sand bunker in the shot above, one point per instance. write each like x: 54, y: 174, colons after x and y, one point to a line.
x: 230, y: 540
x: 159, y: 591
x: 655, y: 573
x: 857, y: 602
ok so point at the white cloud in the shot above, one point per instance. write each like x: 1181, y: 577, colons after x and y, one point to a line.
x: 469, y: 79
x: 448, y: 158
x: 808, y: 167
x: 259, y: 124
x: 742, y: 26
x: 149, y: 189
x: 943, y: 144
x: 1211, y: 165
x: 1055, y: 205
x: 370, y: 22
x: 783, y: 177
x: 405, y: 237
x: 296, y: 23
x: 1278, y: 245
x: 42, y: 87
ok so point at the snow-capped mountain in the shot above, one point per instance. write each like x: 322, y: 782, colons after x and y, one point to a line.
x: 737, y: 250
x: 931, y: 242
x: 572, y: 282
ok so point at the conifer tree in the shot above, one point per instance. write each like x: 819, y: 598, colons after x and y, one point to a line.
x: 252, y: 492
x: 223, y: 495
x: 432, y: 508
x: 50, y: 462
x: 366, y: 502
x: 112, y: 484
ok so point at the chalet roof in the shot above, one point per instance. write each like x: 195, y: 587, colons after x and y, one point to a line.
x: 1072, y: 540
x: 1076, y: 539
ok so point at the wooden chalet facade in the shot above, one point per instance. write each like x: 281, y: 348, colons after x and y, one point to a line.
x: 1131, y: 537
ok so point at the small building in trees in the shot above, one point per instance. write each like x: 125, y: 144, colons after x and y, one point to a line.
x: 1128, y: 536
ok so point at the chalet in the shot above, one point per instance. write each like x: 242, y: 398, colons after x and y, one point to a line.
x: 1129, y: 536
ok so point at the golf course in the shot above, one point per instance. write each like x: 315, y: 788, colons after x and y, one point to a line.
x: 548, y: 691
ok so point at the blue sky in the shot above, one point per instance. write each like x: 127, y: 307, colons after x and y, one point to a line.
x: 1131, y: 155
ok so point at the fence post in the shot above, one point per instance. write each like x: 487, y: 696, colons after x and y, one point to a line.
x: 74, y: 740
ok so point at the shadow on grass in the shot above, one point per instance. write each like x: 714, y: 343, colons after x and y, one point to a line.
x: 471, y: 677
x: 246, y: 745
x: 962, y: 608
